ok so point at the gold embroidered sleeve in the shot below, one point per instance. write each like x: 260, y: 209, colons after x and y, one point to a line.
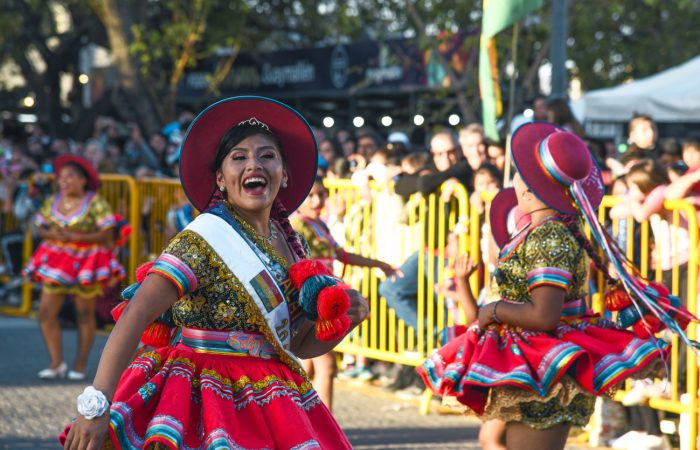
x: 43, y: 216
x: 551, y: 254
x: 101, y: 213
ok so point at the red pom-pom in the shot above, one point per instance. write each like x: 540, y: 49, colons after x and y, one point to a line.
x: 617, y: 299
x: 156, y: 335
x: 646, y: 330
x: 332, y: 330
x: 124, y: 233
x: 142, y: 271
x: 300, y: 271
x: 332, y: 302
x: 660, y: 288
x: 118, y: 310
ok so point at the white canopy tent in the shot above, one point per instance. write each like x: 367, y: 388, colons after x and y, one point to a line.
x: 669, y: 96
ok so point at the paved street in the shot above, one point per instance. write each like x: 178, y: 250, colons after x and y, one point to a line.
x: 32, y: 412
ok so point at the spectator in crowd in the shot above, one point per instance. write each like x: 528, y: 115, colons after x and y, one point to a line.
x: 368, y: 142
x: 496, y: 154
x: 688, y: 184
x: 642, y: 132
x: 330, y: 150
x: 411, y: 164
x: 559, y: 113
x: 137, y: 152
x: 539, y: 108
x: 471, y: 139
x: 94, y: 152
x: 398, y: 144
x: 670, y: 152
x: 402, y: 292
x: 646, y: 181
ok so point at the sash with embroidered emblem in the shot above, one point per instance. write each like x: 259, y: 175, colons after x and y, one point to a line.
x: 265, y: 280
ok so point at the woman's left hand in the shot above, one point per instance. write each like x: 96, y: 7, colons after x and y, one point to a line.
x: 359, y: 308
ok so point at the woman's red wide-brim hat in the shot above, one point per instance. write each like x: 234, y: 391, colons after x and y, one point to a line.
x: 505, y: 217
x: 204, y: 134
x: 93, y: 178
x: 549, y: 159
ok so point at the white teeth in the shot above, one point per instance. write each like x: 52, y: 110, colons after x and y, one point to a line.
x: 255, y: 180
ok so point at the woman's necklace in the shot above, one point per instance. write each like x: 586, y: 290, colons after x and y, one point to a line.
x: 265, y: 242
x: 68, y: 205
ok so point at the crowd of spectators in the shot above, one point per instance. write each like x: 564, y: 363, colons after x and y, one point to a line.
x: 644, y: 170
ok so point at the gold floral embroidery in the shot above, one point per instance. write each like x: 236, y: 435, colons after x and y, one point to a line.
x: 220, y: 301
x: 259, y: 385
x: 548, y: 245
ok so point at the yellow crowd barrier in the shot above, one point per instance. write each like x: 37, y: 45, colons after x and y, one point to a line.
x: 377, y: 223
x: 681, y: 226
x: 158, y: 198
x: 384, y: 336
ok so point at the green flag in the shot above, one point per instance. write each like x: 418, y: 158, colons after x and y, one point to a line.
x: 497, y: 16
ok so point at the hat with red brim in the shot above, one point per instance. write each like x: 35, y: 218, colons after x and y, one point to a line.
x: 204, y: 135
x: 505, y: 217
x: 93, y: 178
x: 550, y: 159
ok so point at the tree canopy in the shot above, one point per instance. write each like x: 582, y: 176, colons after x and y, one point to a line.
x: 154, y: 42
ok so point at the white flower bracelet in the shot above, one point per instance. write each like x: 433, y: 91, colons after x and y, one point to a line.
x: 92, y: 403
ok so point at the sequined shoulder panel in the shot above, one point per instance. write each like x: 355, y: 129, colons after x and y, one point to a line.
x: 550, y: 254
x: 220, y: 302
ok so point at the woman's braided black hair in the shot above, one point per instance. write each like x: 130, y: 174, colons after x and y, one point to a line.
x: 572, y: 222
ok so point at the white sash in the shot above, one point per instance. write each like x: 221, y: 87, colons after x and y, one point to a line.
x: 246, y: 265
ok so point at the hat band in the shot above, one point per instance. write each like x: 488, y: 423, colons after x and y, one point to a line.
x: 550, y: 166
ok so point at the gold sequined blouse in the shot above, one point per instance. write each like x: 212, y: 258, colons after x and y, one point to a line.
x: 219, y: 301
x: 544, y: 256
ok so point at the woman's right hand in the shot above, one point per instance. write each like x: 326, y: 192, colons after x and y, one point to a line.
x: 88, y: 434
x: 359, y: 308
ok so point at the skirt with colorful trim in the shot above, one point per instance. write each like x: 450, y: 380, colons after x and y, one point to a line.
x: 72, y: 267
x: 540, y: 378
x: 178, y: 397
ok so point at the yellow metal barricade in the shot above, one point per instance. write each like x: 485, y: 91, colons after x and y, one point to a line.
x: 157, y: 198
x: 682, y: 226
x: 384, y: 336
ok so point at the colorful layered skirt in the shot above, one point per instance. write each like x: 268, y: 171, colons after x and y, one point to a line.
x: 541, y: 378
x: 214, y: 392
x: 73, y: 267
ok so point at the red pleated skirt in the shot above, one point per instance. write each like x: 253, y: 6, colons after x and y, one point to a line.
x: 590, y: 350
x: 73, y: 264
x: 182, y: 398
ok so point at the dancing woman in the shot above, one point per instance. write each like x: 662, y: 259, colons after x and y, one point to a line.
x: 233, y: 379
x: 74, y: 258
x: 323, y: 247
x: 537, y: 358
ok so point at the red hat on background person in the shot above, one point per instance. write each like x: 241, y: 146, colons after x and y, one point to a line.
x: 91, y: 175
x: 505, y: 218
x: 299, y: 148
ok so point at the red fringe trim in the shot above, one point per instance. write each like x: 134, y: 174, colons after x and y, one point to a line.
x: 118, y: 310
x: 156, y: 335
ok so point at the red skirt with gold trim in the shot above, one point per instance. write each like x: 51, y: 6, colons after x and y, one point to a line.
x: 73, y: 264
x: 179, y: 397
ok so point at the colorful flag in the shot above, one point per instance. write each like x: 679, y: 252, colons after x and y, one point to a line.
x: 497, y: 16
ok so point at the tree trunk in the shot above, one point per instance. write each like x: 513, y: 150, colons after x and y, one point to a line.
x: 117, y: 21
